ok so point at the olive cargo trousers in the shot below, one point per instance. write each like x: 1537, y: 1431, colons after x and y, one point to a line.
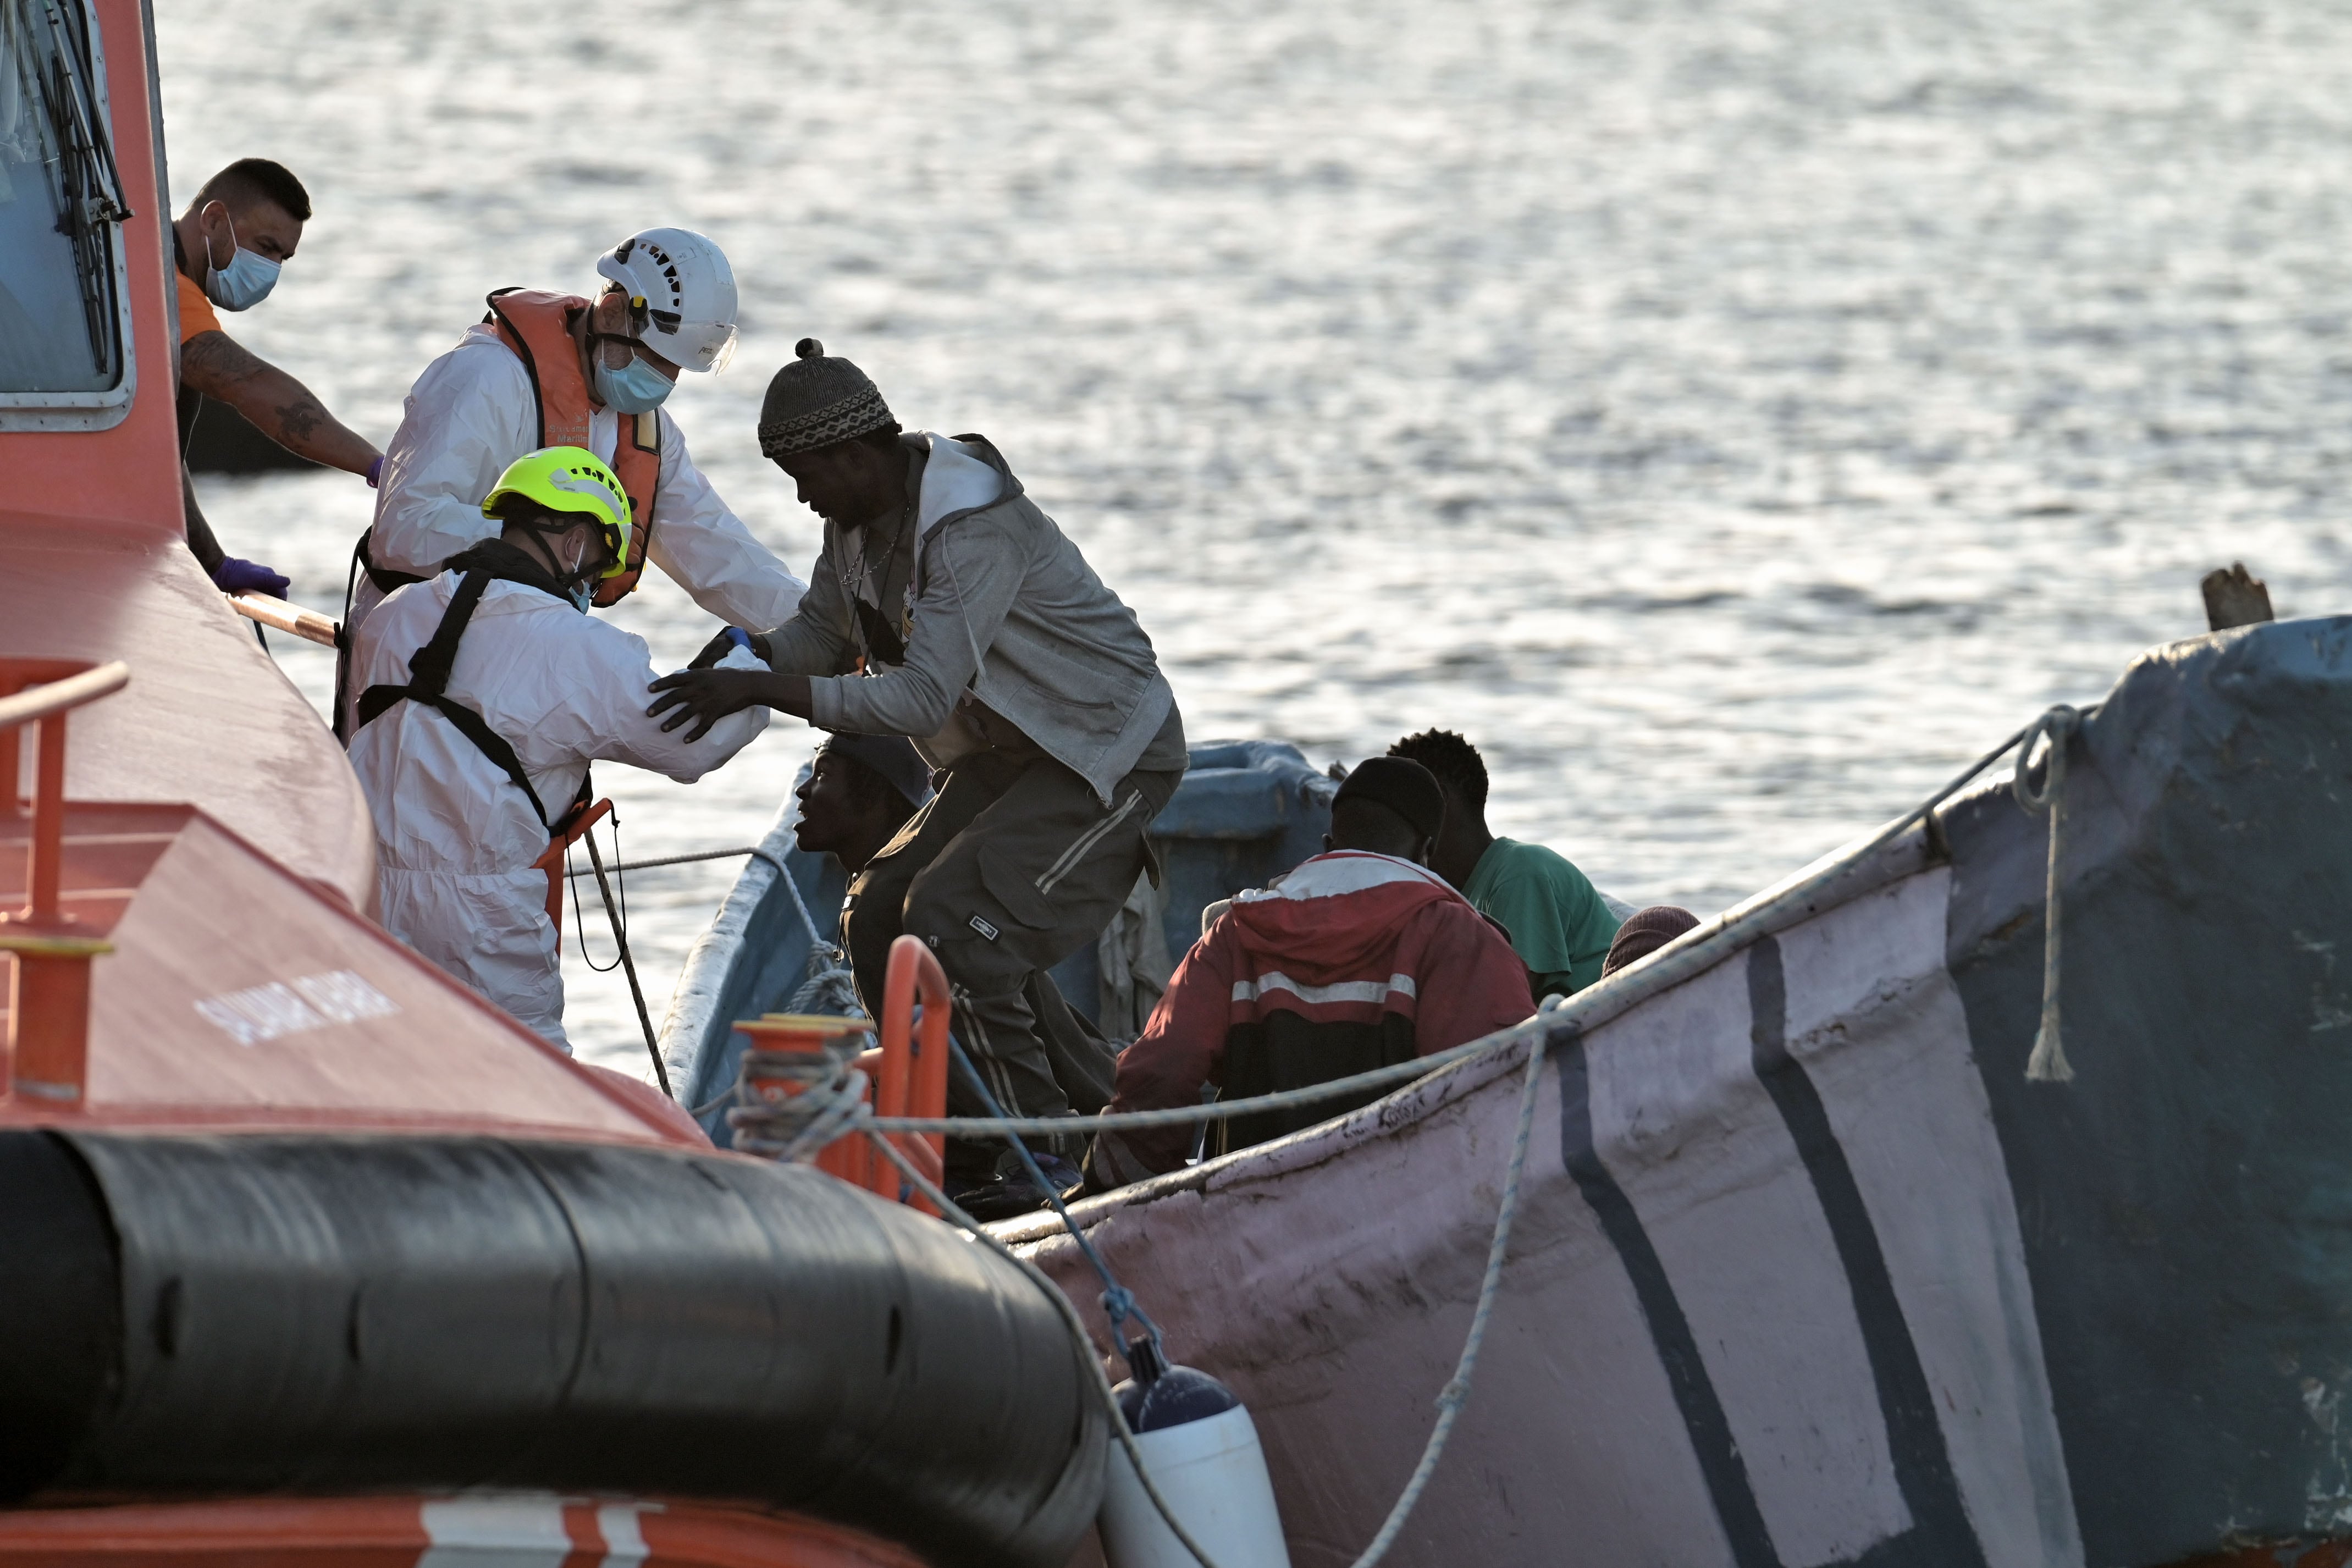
x: 1011, y: 867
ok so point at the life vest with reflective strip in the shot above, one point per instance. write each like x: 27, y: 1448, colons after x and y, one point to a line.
x: 536, y: 324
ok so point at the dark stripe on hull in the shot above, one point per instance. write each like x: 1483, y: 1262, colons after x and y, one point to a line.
x: 1940, y: 1531
x: 1710, y: 1433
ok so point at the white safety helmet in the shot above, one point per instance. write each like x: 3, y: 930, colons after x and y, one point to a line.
x: 685, y: 292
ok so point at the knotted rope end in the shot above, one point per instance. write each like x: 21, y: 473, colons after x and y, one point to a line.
x: 2048, y: 1063
x: 2059, y: 724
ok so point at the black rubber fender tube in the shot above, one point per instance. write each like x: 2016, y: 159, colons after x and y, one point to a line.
x: 327, y: 1313
x: 60, y: 1312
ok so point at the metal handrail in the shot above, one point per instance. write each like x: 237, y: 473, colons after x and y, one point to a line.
x: 308, y: 624
x: 49, y: 1025
x: 58, y: 696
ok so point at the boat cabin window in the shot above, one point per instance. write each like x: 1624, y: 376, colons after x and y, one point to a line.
x: 64, y: 325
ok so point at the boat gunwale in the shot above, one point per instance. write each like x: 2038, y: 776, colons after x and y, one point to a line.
x: 1894, y: 852
x: 702, y: 980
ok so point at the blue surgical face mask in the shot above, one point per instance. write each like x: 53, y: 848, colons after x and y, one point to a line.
x: 635, y: 388
x: 583, y: 595
x: 245, y: 282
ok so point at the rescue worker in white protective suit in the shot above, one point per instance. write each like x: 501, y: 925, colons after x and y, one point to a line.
x: 484, y: 693
x: 546, y: 369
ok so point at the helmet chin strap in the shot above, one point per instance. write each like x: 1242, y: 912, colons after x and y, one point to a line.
x: 579, y: 573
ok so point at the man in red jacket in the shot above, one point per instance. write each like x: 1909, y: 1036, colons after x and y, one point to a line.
x: 1358, y: 958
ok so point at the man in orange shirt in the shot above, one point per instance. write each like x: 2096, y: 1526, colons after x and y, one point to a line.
x: 242, y: 227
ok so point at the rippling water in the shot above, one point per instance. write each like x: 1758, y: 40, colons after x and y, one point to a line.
x: 1732, y: 414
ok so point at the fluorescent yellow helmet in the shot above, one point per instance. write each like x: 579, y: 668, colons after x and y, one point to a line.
x: 570, y: 479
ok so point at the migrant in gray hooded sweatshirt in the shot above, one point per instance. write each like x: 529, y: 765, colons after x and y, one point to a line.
x: 1000, y: 606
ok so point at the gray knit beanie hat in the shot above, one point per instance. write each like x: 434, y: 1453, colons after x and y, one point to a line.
x: 816, y: 401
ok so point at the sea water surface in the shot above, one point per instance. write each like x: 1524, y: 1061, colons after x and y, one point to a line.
x: 1731, y: 415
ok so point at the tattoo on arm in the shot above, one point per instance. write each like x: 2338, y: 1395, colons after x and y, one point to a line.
x: 301, y: 418
x: 214, y: 365
x: 280, y: 407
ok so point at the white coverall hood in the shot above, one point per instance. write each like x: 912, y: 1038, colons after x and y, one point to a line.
x: 455, y: 839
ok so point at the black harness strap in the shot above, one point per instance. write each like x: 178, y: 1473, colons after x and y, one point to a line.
x: 385, y: 579
x: 428, y: 682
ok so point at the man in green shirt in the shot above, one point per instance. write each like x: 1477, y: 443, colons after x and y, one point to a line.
x: 1558, y: 923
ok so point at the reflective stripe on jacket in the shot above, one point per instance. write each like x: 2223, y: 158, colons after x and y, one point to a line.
x: 1349, y: 962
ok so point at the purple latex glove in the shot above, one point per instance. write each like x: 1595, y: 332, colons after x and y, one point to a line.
x: 236, y: 576
x: 376, y: 470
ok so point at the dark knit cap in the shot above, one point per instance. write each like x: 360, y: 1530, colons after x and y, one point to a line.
x: 816, y: 401
x: 1644, y: 932
x: 891, y: 757
x: 1403, y: 785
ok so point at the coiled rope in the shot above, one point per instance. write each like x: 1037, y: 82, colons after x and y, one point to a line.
x: 830, y: 990
x: 797, y: 1127
x: 2061, y: 723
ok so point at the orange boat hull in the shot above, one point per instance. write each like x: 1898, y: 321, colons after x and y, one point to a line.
x: 399, y: 1533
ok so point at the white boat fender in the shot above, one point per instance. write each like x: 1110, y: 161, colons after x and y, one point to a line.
x: 1203, y: 1451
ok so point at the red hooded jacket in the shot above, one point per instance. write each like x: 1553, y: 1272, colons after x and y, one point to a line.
x: 1352, y: 960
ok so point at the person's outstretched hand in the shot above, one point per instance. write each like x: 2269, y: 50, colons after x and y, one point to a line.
x: 236, y: 576
x: 729, y: 639
x: 707, y: 696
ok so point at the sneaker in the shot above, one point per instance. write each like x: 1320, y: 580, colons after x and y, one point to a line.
x: 1012, y: 1193
x: 1060, y: 1174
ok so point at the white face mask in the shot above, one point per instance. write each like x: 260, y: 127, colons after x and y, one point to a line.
x: 245, y: 282
x: 635, y: 388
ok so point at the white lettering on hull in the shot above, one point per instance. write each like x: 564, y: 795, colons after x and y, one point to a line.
x: 260, y: 1013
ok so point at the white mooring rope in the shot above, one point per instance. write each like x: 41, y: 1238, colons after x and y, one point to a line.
x: 2048, y: 1063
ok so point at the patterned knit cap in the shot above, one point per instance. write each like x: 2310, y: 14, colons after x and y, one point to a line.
x: 1644, y: 932
x: 816, y: 401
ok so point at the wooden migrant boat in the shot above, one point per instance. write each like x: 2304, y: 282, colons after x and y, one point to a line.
x: 1807, y: 1270
x: 307, y: 1255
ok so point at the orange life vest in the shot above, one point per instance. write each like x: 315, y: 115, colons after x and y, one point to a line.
x: 537, y: 325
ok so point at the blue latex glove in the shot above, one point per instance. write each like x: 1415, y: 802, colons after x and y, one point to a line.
x: 236, y: 576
